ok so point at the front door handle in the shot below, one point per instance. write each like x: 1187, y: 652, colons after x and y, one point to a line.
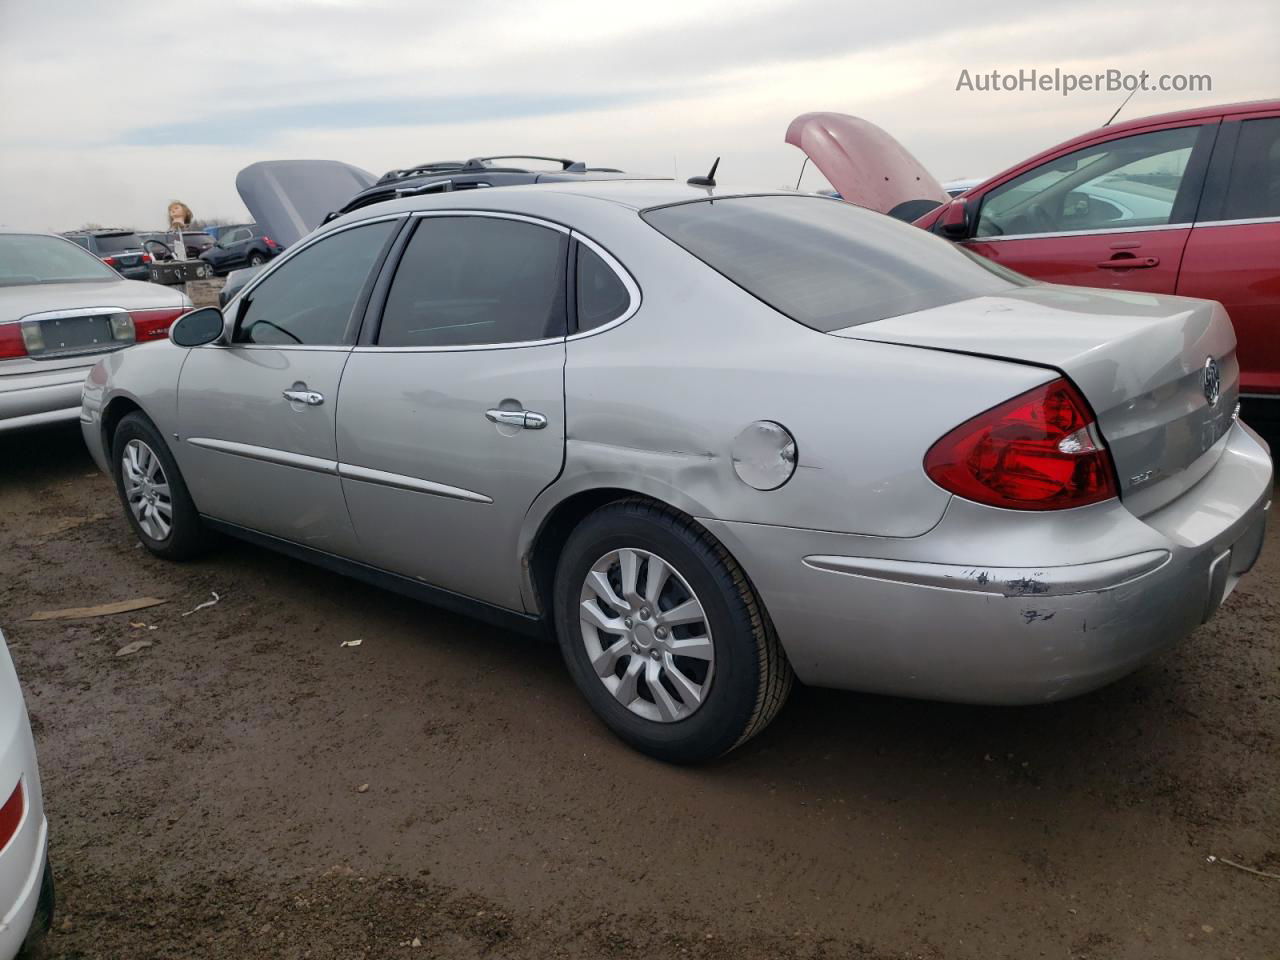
x: 310, y: 397
x: 525, y: 419
x: 1129, y: 263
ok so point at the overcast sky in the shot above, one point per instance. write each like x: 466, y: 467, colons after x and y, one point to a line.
x: 110, y: 110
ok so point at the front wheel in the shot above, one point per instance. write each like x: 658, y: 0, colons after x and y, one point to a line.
x: 156, y: 502
x: 664, y: 635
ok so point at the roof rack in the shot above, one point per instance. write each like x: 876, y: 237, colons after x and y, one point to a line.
x: 485, y: 164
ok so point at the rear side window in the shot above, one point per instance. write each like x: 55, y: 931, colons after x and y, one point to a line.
x: 476, y: 280
x: 118, y: 242
x: 308, y: 299
x: 826, y: 263
x: 601, y: 294
x: 1254, y: 188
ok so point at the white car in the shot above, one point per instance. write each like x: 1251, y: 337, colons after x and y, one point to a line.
x: 26, y: 881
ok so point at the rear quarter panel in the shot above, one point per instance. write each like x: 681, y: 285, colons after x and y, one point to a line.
x: 654, y: 404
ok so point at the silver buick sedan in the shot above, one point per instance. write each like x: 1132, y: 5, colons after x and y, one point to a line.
x: 60, y: 309
x: 710, y: 442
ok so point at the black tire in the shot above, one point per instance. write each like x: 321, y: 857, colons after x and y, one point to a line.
x: 256, y: 259
x: 187, y: 537
x: 752, y: 676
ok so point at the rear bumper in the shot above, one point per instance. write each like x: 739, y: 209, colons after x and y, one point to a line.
x: 40, y: 397
x: 1004, y: 607
x: 27, y: 919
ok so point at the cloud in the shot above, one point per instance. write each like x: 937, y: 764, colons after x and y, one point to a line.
x: 112, y: 110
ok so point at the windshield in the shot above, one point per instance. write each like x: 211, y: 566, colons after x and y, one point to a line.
x: 33, y: 258
x: 825, y: 263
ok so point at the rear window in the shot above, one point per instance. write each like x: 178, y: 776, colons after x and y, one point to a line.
x: 32, y: 258
x: 117, y: 242
x: 826, y: 263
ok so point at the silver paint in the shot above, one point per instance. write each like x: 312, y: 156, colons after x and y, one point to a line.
x: 870, y: 572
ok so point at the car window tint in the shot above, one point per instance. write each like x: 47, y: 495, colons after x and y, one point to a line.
x: 1129, y: 182
x: 118, y: 242
x: 1254, y: 187
x: 308, y: 300
x: 601, y: 294
x: 476, y: 280
x: 827, y: 263
x: 236, y: 236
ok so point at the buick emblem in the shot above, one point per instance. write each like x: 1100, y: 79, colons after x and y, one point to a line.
x: 1212, y: 382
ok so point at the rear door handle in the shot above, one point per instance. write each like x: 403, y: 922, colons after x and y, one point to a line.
x: 310, y: 397
x: 1129, y: 263
x: 525, y: 419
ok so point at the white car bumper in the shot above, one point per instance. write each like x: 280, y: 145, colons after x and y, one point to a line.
x: 24, y: 851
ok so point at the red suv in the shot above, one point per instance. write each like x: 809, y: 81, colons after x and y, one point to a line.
x: 1185, y: 203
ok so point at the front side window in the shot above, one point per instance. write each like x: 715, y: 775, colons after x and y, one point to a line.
x: 601, y: 294
x: 826, y: 263
x: 1129, y: 182
x: 27, y: 258
x: 1254, y: 188
x: 308, y: 299
x: 476, y: 280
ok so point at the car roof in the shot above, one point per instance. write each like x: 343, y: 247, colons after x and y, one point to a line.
x: 1158, y: 119
x: 551, y: 200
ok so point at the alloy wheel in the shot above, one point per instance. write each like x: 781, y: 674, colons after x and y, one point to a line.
x: 646, y: 635
x: 146, y: 490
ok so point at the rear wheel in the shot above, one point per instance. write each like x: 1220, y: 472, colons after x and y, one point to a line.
x: 256, y: 259
x: 664, y: 635
x: 156, y: 502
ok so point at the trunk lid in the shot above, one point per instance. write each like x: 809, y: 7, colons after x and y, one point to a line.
x: 866, y: 165
x: 290, y: 198
x: 1147, y: 365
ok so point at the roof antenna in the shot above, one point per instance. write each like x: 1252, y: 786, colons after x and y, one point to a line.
x: 802, y: 166
x: 708, y: 181
x: 1121, y: 107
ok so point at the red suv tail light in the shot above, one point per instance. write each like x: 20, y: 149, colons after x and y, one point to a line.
x: 270, y: 243
x: 109, y: 261
x: 154, y: 324
x: 1038, y: 451
x: 11, y: 815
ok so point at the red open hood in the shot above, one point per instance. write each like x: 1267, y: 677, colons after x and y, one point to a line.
x: 866, y: 165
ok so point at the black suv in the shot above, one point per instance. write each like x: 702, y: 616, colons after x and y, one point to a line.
x: 122, y: 249
x: 240, y: 247
x: 473, y: 174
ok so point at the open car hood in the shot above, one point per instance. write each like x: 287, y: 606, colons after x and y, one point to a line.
x: 866, y: 165
x: 290, y: 198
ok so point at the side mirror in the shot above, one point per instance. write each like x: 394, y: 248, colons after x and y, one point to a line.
x: 954, y: 223
x: 198, y: 327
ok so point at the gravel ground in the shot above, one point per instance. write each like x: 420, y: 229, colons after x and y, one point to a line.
x: 247, y: 787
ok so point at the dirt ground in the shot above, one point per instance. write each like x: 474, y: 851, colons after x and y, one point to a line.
x: 207, y: 795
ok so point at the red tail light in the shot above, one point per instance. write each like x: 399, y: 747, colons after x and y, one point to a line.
x: 269, y: 242
x: 11, y: 815
x: 109, y: 261
x: 146, y: 258
x: 154, y: 324
x: 11, y: 342
x: 1038, y: 451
